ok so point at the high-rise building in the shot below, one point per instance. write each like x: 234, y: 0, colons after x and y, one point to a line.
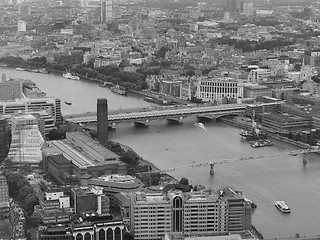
x: 22, y: 26
x: 106, y: 11
x: 307, y: 13
x: 202, y: 6
x: 26, y: 141
x: 232, y: 5
x: 10, y: 90
x: 103, y: 12
x: 5, y: 137
x: 248, y: 8
x: 4, y: 192
x: 194, y: 213
x: 84, y: 3
x: 102, y: 121
x: 24, y: 10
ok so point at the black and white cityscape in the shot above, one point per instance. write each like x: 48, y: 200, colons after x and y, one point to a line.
x: 159, y: 119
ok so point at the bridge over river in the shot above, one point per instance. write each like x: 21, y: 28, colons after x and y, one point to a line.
x: 143, y: 116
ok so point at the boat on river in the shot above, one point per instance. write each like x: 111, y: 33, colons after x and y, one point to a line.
x: 261, y: 143
x: 282, y: 206
x: 68, y: 103
x: 103, y: 84
x: 117, y: 89
x: 20, y: 69
x: 70, y: 76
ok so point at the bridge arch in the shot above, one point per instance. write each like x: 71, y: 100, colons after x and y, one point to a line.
x: 225, y: 114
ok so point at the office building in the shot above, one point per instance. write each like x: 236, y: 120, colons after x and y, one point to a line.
x: 255, y: 90
x: 24, y: 10
x: 54, y: 205
x: 106, y: 11
x: 217, y: 89
x: 194, y: 213
x: 22, y: 26
x: 26, y: 141
x: 232, y: 5
x: 5, y: 136
x: 88, y: 200
x: 4, y: 192
x: 247, y: 8
x: 51, y: 105
x: 102, y: 121
x: 307, y: 13
x: 10, y: 90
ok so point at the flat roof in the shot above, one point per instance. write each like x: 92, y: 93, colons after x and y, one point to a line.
x: 94, y: 145
x: 59, y: 159
x: 227, y: 237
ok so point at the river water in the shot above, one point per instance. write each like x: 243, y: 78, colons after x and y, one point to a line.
x: 170, y: 146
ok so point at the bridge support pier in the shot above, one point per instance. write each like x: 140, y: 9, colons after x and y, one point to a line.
x: 211, y: 168
x: 175, y: 120
x: 113, y: 126
x: 142, y: 123
x: 304, y: 159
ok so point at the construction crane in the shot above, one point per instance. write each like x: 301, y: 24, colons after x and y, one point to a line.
x: 242, y: 159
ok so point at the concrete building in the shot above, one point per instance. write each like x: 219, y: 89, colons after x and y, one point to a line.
x: 253, y: 91
x: 259, y: 75
x: 24, y: 9
x: 97, y: 229
x: 88, y: 200
x: 217, y: 89
x: 106, y: 11
x: 54, y: 206
x: 22, y: 26
x: 87, y: 157
x: 5, y: 137
x: 115, y: 183
x: 25, y: 105
x: 4, y: 192
x: 10, y: 90
x: 26, y: 141
x: 17, y: 221
x: 102, y: 121
x: 171, y: 87
x: 232, y: 5
x: 248, y: 9
x: 194, y: 213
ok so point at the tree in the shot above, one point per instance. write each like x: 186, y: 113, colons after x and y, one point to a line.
x: 25, y: 168
x: 184, y: 181
x: 24, y: 192
x: 128, y: 236
x: 56, y: 134
x: 162, y: 52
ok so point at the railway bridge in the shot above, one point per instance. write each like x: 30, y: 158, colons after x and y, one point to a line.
x: 174, y: 114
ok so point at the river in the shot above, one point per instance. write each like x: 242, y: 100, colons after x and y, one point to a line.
x: 170, y: 146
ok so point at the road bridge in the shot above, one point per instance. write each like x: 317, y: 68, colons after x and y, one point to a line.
x: 174, y: 114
